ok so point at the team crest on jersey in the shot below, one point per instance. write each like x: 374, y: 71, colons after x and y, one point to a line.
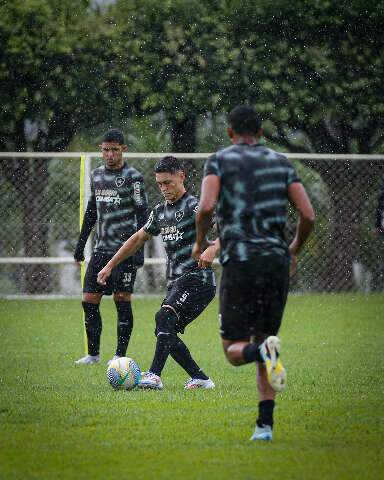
x: 119, y: 181
x: 179, y: 215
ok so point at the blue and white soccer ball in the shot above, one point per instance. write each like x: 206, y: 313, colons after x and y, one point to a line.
x: 123, y: 373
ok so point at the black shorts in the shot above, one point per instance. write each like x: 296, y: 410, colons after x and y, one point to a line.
x: 253, y: 295
x: 189, y: 296
x: 122, y: 278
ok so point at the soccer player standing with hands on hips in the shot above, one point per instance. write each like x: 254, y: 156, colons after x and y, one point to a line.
x: 118, y: 206
x: 251, y: 186
x: 190, y: 288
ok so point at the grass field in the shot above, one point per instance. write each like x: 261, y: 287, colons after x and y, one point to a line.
x: 62, y: 421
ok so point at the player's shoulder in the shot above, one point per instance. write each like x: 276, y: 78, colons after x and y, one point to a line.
x: 191, y: 201
x: 226, y: 151
x: 98, y: 170
x: 159, y: 208
x: 269, y: 153
x: 132, y: 173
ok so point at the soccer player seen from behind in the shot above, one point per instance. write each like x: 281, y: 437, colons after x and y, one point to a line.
x: 252, y: 186
x: 190, y: 288
x: 118, y: 206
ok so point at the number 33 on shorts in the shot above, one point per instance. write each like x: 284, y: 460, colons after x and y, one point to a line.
x: 127, y: 278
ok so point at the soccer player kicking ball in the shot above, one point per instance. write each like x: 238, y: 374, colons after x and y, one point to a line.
x: 190, y: 288
x: 252, y: 186
x: 118, y: 204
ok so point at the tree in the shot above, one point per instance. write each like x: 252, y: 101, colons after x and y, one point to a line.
x: 54, y: 75
x: 171, y: 45
x: 314, y: 72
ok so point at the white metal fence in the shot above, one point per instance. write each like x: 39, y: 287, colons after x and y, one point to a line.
x: 39, y: 219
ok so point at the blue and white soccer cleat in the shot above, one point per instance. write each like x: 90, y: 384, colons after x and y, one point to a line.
x: 262, y: 433
x: 270, y: 351
x: 150, y: 381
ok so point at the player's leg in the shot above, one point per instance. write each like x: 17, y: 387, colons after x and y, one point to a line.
x: 190, y: 298
x: 166, y: 319
x: 123, y: 281
x: 92, y: 294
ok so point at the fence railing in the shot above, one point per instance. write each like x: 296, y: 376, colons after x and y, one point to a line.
x: 39, y: 219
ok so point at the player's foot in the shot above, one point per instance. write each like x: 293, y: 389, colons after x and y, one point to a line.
x: 115, y: 357
x: 270, y: 351
x: 198, y: 383
x: 88, y: 360
x: 262, y: 433
x: 150, y: 381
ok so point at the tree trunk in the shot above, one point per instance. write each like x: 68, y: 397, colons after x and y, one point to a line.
x: 183, y: 136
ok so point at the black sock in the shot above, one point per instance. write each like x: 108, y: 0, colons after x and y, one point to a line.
x: 265, y: 413
x: 166, y: 337
x: 93, y: 326
x: 183, y: 357
x: 124, y: 327
x: 163, y: 347
x: 251, y: 353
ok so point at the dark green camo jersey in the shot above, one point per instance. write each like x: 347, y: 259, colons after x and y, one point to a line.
x: 121, y: 203
x: 252, y: 205
x: 176, y: 224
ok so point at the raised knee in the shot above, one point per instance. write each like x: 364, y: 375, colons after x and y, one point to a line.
x: 165, y: 321
x: 233, y: 356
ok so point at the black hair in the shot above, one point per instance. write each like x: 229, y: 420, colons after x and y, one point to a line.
x: 114, y: 135
x: 244, y: 120
x: 169, y: 164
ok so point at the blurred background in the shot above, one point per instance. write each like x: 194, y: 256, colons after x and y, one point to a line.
x: 166, y: 73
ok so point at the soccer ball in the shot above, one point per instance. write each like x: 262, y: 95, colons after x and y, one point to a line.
x: 123, y: 373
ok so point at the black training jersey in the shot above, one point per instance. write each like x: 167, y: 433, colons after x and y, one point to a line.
x: 121, y: 204
x: 176, y: 224
x: 252, y: 205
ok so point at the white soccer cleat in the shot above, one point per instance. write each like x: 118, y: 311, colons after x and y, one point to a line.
x: 263, y: 433
x: 198, y: 383
x: 115, y: 357
x: 150, y: 381
x: 88, y: 360
x: 270, y: 351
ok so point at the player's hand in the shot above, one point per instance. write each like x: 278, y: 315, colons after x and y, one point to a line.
x: 293, y: 265
x: 78, y: 263
x: 103, y: 275
x: 207, y: 257
x: 197, y: 250
x: 293, y: 250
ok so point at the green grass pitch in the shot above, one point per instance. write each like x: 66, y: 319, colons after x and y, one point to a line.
x: 63, y: 421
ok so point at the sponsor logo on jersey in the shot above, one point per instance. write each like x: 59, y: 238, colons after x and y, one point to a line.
x: 136, y: 192
x: 179, y: 215
x: 196, y: 208
x: 108, y: 196
x: 119, y: 181
x: 171, y: 233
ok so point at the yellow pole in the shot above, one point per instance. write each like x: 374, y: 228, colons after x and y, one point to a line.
x: 81, y: 216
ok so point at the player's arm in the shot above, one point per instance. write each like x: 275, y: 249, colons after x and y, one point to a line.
x: 210, y: 190
x: 141, y: 203
x: 89, y: 220
x: 300, y: 201
x: 209, y: 254
x: 380, y: 213
x: 129, y: 248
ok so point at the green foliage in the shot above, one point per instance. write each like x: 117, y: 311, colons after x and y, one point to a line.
x: 60, y: 420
